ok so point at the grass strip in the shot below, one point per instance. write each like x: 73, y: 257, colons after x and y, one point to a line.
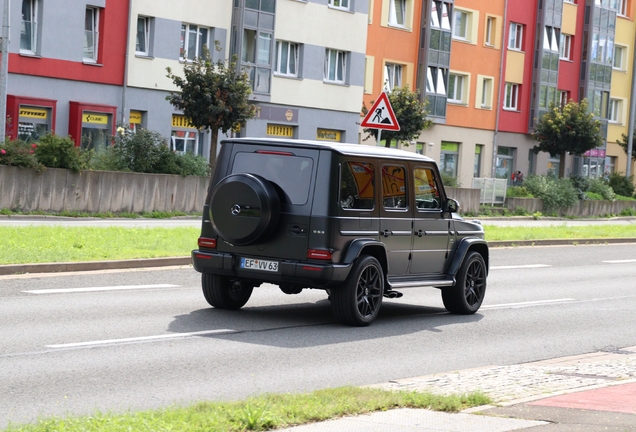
x: 259, y: 413
x: 50, y: 243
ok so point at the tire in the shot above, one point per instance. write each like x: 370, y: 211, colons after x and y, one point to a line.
x: 466, y: 296
x: 222, y: 293
x: 244, y: 209
x: 357, y: 302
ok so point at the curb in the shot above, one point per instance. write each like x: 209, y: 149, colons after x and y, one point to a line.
x: 568, y: 242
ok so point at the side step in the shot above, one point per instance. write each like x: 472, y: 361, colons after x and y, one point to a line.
x: 411, y: 283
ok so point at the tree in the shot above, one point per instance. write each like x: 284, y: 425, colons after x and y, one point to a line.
x: 623, y: 143
x: 410, y: 113
x: 213, y: 95
x: 570, y: 129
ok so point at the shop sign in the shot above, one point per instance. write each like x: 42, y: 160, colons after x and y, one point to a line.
x: 33, y: 112
x: 282, y: 131
x: 181, y: 122
x: 95, y: 118
x: 328, y: 135
x: 135, y: 117
x: 595, y: 153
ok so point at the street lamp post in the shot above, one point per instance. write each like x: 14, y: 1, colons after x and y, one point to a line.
x: 4, y: 70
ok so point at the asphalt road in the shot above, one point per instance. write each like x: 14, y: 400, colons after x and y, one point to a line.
x: 105, y: 343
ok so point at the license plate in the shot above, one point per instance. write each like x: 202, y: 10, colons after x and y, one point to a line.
x: 261, y: 265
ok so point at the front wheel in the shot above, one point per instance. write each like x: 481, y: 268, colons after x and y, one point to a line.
x: 466, y: 296
x: 223, y: 293
x: 357, y: 302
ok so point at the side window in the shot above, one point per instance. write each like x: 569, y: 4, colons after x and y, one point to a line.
x: 393, y: 187
x: 426, y: 189
x: 357, y: 185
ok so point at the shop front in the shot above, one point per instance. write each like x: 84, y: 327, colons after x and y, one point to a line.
x: 93, y: 124
x: 185, y: 138
x: 29, y: 119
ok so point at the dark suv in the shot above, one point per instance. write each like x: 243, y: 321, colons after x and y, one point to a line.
x: 356, y: 221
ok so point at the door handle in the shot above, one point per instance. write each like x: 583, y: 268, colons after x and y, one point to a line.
x: 385, y: 233
x: 420, y: 233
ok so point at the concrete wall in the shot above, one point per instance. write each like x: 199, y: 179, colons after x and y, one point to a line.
x: 589, y: 208
x: 99, y: 191
x: 468, y: 199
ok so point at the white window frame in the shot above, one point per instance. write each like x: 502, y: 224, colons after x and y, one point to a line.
x: 515, y: 38
x: 340, y: 4
x: 486, y: 87
x: 32, y: 22
x: 618, y: 61
x: 564, y: 97
x: 397, y: 8
x: 511, y: 97
x: 489, y: 33
x: 392, y: 76
x: 91, y: 50
x: 335, y: 61
x: 435, y: 81
x: 550, y: 41
x: 292, y: 54
x: 465, y: 29
x: 621, y: 7
x: 615, y: 111
x: 146, y: 36
x: 186, y: 30
x: 457, y: 82
x: 194, y: 139
x: 565, y: 50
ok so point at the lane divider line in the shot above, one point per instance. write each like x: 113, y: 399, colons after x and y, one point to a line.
x: 107, y: 288
x: 620, y: 261
x: 140, y: 339
x: 527, y: 266
x: 527, y: 304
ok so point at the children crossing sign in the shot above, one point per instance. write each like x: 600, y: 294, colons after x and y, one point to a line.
x: 381, y: 115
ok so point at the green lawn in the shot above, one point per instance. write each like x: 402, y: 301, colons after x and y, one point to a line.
x: 45, y: 244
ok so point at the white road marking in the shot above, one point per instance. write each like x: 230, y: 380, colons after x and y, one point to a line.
x: 527, y: 266
x: 528, y: 304
x: 620, y: 261
x: 106, y: 288
x: 139, y: 339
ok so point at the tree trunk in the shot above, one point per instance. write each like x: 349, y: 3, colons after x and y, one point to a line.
x: 562, y: 165
x: 213, y: 139
x: 387, y: 143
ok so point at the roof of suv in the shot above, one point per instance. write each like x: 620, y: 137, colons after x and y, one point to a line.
x: 342, y: 148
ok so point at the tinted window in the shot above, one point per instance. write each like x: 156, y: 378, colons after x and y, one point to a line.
x: 357, y: 185
x: 426, y: 189
x: 292, y: 174
x: 393, y: 187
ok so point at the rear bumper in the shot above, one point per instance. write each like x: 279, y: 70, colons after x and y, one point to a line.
x: 307, y: 274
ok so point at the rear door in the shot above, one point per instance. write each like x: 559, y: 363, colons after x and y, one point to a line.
x: 395, y: 216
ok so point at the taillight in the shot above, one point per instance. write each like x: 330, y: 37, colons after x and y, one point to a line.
x: 207, y: 242
x: 319, y: 254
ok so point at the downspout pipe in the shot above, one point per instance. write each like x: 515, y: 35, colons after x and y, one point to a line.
x: 125, y: 83
x: 501, y: 85
x: 632, y: 114
x: 4, y: 70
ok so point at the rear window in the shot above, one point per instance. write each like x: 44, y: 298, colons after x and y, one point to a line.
x: 291, y: 174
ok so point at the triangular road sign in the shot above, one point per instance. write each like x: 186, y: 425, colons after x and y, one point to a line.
x: 381, y: 115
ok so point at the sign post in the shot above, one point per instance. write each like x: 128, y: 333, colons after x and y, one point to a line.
x: 381, y: 116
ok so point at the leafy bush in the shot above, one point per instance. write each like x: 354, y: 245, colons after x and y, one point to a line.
x: 601, y: 187
x: 19, y: 153
x: 56, y: 152
x: 622, y: 185
x: 555, y: 193
x: 106, y: 159
x: 449, y: 180
x: 628, y: 212
x: 139, y: 151
x: 594, y: 196
x: 518, y: 192
x: 581, y: 184
x: 186, y: 164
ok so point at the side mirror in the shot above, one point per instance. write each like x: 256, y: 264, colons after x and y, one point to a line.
x: 452, y: 205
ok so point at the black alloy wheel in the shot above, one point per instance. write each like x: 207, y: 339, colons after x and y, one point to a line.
x: 357, y: 302
x: 467, y: 295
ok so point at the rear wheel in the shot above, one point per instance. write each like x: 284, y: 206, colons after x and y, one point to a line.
x: 357, y: 302
x: 466, y: 296
x: 223, y: 293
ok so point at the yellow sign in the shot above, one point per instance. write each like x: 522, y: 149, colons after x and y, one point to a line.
x: 181, y: 122
x: 393, y: 181
x: 276, y: 130
x: 363, y: 176
x: 328, y: 135
x: 95, y: 118
x: 33, y: 112
x: 135, y: 117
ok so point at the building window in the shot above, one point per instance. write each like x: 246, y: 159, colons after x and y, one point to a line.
x: 550, y: 39
x: 489, y: 36
x: 397, y: 13
x: 504, y: 163
x: 449, y: 159
x: 619, y: 57
x: 456, y: 83
x: 193, y: 38
x: 479, y: 149
x: 340, y: 4
x: 435, y: 80
x: 511, y: 99
x: 439, y: 15
x: 515, y: 39
x: 460, y: 28
x: 566, y: 47
x: 286, y: 58
x: 486, y: 93
x: 564, y: 98
x: 91, y: 34
x: 392, y: 76
x: 621, y: 7
x: 615, y: 110
x: 142, y: 46
x: 335, y: 65
x: 29, y: 26
x: 183, y: 142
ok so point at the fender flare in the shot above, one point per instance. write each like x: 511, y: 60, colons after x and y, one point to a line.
x: 466, y: 245
x: 357, y: 245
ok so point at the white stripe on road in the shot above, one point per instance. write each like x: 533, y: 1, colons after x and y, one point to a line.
x: 107, y: 288
x: 620, y: 261
x: 140, y: 339
x: 527, y: 266
x: 528, y: 304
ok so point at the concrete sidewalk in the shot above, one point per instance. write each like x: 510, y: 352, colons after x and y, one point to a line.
x: 590, y: 392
